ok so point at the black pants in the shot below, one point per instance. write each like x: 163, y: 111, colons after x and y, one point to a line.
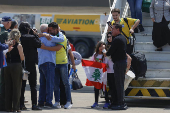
x: 13, y: 79
x: 33, y: 85
x: 119, y: 76
x: 112, y: 87
x: 161, y: 33
x: 96, y: 95
x: 2, y: 90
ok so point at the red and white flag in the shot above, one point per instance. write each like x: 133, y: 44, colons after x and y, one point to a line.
x: 96, y: 73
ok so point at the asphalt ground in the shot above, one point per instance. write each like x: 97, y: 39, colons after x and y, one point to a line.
x: 84, y: 98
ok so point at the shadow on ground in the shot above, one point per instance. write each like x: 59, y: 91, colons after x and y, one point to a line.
x: 85, y: 89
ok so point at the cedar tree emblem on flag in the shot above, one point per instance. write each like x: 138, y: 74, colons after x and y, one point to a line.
x: 96, y: 75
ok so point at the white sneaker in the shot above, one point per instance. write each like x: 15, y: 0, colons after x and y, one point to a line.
x: 57, y: 105
x: 68, y: 105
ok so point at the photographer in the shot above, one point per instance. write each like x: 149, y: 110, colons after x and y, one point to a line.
x: 30, y: 43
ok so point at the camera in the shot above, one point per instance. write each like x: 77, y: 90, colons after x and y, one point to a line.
x: 31, y: 32
x: 109, y: 24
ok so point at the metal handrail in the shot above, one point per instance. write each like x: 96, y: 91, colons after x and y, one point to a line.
x: 125, y: 10
x: 110, y: 17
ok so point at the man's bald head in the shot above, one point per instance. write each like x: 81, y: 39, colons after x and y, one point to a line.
x: 44, y: 28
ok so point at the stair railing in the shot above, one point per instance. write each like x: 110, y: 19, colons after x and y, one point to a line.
x: 110, y: 17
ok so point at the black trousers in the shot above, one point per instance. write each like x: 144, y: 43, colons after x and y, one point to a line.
x: 161, y: 33
x: 112, y: 87
x: 13, y: 79
x: 33, y: 85
x: 2, y: 90
x: 96, y: 95
x: 119, y: 76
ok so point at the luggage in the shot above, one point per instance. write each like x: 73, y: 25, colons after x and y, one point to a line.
x: 146, y: 6
x: 138, y: 64
x: 76, y: 83
x: 128, y: 78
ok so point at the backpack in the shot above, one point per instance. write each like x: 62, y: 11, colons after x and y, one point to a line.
x: 138, y: 64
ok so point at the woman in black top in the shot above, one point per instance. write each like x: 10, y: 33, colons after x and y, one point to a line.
x: 13, y: 73
x: 30, y: 43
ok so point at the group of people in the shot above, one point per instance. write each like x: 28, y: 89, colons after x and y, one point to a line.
x: 159, y: 13
x: 118, y: 46
x: 24, y: 49
x: 115, y: 55
x: 52, y: 52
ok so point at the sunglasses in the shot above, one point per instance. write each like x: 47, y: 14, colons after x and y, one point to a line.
x: 109, y: 36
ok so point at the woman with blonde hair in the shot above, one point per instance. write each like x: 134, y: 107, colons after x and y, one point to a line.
x: 13, y: 73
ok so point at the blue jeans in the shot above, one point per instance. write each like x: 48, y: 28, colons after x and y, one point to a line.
x: 136, y: 9
x: 47, y: 73
x: 61, y: 70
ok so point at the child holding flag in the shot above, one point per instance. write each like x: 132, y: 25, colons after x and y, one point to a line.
x: 99, y: 57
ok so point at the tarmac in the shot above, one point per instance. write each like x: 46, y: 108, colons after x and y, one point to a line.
x: 84, y: 98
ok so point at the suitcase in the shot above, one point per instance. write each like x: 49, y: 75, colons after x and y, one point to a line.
x: 138, y: 64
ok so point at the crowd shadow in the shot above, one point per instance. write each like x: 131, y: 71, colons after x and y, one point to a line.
x: 135, y: 103
x: 85, y: 89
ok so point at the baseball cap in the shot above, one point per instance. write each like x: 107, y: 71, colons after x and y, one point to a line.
x: 6, y: 19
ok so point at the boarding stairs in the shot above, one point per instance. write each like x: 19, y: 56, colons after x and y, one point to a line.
x: 156, y: 85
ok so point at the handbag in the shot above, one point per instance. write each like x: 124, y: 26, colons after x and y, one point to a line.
x: 76, y: 83
x: 25, y: 73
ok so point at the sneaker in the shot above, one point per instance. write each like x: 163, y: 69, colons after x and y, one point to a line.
x: 68, y: 105
x: 106, y: 105
x: 141, y: 28
x: 95, y: 105
x: 57, y: 105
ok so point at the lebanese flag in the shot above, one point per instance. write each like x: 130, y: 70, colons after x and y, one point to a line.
x: 96, y: 73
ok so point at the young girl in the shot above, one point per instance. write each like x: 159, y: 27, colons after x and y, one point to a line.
x: 99, y: 57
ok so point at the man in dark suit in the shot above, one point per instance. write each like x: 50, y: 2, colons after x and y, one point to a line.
x: 117, y: 51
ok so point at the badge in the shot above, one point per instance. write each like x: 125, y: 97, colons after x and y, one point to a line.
x: 123, y: 25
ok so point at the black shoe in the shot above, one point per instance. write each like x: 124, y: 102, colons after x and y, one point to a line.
x: 120, y: 107
x: 136, y: 30
x: 158, y: 49
x: 141, y: 28
x: 49, y: 106
x: 41, y: 105
x: 34, y: 107
x: 22, y: 107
